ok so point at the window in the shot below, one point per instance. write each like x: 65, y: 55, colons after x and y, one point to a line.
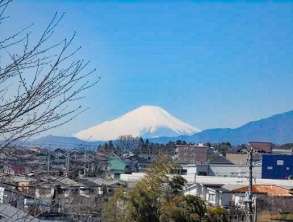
x: 212, y: 197
x: 280, y: 162
x: 184, y: 172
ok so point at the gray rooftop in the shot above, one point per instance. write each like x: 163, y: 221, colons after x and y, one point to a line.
x: 10, y: 214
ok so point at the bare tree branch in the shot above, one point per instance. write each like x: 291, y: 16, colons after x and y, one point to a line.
x: 40, y: 81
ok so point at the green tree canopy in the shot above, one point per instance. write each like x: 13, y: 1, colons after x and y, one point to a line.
x: 157, y: 198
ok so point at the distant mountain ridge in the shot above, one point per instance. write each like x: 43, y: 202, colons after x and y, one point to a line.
x: 63, y: 142
x: 276, y: 129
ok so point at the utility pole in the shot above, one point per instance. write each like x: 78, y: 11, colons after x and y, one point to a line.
x: 85, y: 161
x: 249, y: 201
x: 67, y: 163
x: 48, y: 162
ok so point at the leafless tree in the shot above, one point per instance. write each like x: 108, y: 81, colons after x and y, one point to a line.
x: 128, y: 143
x: 40, y: 80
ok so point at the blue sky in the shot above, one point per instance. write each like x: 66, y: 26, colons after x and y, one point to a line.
x: 210, y: 64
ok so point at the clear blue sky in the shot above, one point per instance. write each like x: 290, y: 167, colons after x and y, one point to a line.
x: 210, y: 64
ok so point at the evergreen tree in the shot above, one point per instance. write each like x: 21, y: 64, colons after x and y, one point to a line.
x: 156, y: 198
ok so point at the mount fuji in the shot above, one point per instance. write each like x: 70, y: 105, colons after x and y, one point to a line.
x: 144, y: 121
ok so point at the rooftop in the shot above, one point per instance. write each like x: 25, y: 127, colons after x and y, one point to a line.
x: 269, y: 189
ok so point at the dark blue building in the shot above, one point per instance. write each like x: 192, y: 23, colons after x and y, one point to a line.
x: 277, y: 166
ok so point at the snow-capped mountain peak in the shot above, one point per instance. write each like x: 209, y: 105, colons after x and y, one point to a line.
x: 145, y: 121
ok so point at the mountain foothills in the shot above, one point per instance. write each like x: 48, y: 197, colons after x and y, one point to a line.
x: 276, y: 129
x: 159, y: 126
x: 64, y: 142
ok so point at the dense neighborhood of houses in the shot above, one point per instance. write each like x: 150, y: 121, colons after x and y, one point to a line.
x: 72, y: 185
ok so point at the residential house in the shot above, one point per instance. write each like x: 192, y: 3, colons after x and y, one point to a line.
x: 241, y: 158
x: 230, y: 170
x: 9, y: 213
x: 213, y: 194
x: 261, y: 147
x: 189, y: 153
x: 14, y: 169
x: 145, y: 160
x: 116, y: 166
x: 229, y: 195
x: 239, y: 196
x: 237, y: 158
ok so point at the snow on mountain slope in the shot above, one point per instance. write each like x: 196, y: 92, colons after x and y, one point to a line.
x: 145, y: 121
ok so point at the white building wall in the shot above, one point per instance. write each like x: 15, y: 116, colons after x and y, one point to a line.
x: 190, y: 168
x: 134, y: 177
x: 233, y: 170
